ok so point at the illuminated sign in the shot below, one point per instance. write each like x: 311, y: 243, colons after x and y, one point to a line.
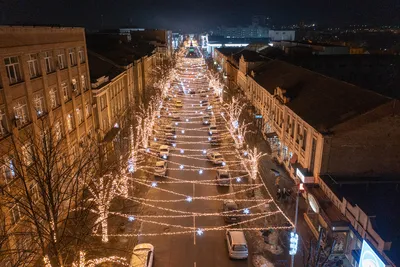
x: 369, y: 258
x: 300, y: 175
x: 313, y: 203
x: 258, y: 116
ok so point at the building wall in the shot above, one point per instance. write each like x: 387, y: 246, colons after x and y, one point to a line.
x: 282, y: 35
x: 371, y: 143
x: 295, y: 135
x: 39, y: 89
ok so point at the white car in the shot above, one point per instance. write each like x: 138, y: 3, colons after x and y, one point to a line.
x: 216, y: 158
x: 178, y: 104
x: 223, y: 177
x: 206, y: 120
x: 237, y: 244
x: 164, y: 151
x: 161, y: 168
x: 142, y: 255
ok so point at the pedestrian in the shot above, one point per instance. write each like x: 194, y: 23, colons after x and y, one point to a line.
x: 278, y: 194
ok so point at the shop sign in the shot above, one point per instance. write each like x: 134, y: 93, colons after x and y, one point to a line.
x: 313, y: 203
x: 369, y: 258
x: 300, y: 175
x: 258, y: 116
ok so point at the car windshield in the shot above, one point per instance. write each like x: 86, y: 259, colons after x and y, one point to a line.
x: 240, y: 248
x: 231, y: 206
x: 164, y: 150
x: 218, y: 156
x: 224, y: 176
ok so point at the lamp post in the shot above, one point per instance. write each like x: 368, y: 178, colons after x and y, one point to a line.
x: 293, y: 235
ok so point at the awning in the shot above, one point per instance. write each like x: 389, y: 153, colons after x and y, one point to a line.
x: 293, y: 159
x: 271, y: 135
x: 111, y: 134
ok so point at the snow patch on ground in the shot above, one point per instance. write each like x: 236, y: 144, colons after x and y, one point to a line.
x: 260, y: 261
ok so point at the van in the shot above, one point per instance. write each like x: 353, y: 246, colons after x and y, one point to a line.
x: 237, y: 244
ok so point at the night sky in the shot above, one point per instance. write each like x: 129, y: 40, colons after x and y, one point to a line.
x: 196, y: 15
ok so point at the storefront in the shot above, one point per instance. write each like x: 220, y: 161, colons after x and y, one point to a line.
x: 322, y: 215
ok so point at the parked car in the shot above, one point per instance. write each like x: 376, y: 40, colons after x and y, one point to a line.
x: 213, y: 129
x: 222, y: 177
x: 164, y: 151
x: 178, y: 104
x: 230, y: 207
x: 169, y: 129
x: 169, y: 138
x: 203, y: 93
x: 161, y: 168
x: 206, y: 120
x: 176, y: 118
x: 142, y: 255
x: 214, y: 141
x: 215, y: 157
x: 237, y: 244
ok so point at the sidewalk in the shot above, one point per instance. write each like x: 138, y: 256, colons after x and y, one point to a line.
x: 288, y: 206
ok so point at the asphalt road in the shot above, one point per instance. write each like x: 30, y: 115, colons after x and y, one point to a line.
x: 188, y: 249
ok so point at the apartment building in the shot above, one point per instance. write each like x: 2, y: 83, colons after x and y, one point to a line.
x: 44, y: 75
x: 113, y: 96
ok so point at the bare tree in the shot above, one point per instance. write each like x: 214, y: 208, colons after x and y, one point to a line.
x: 319, y: 251
x: 47, y: 198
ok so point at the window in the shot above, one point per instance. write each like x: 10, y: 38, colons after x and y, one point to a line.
x: 34, y: 192
x: 72, y: 57
x: 13, y: 69
x: 21, y: 113
x: 8, y: 169
x: 48, y: 62
x: 293, y: 125
x: 298, y: 134
x: 33, y: 65
x: 83, y: 82
x: 88, y: 110
x: 103, y: 102
x: 27, y: 154
x: 57, y: 131
x: 3, y: 123
x: 79, y: 115
x: 70, y: 122
x: 288, y: 123
x: 61, y: 60
x: 38, y: 102
x: 15, y: 214
x: 304, y: 144
x: 104, y: 124
x: 74, y: 85
x: 81, y: 53
x: 53, y: 98
x: 65, y: 91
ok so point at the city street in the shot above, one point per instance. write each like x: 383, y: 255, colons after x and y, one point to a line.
x: 182, y: 213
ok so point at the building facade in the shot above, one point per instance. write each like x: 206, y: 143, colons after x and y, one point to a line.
x: 113, y: 98
x: 44, y: 75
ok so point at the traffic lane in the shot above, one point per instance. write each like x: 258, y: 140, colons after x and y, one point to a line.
x: 169, y: 248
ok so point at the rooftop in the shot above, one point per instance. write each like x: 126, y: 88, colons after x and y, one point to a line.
x: 101, y: 66
x: 314, y: 97
x: 122, y: 53
x: 376, y: 197
x: 312, y: 43
x: 227, y: 51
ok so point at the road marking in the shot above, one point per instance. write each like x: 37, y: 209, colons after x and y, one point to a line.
x: 194, y: 222
x: 194, y: 228
x: 194, y: 264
